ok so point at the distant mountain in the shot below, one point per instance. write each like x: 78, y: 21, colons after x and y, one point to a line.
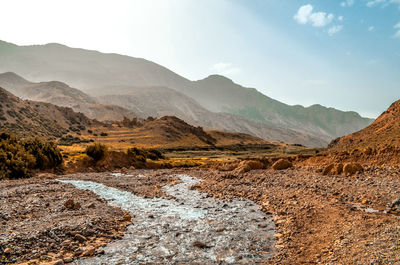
x: 113, y: 73
x: 29, y: 118
x: 61, y: 94
x: 383, y: 133
x: 163, y: 101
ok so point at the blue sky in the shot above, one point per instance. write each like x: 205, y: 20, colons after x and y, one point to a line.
x: 343, y: 54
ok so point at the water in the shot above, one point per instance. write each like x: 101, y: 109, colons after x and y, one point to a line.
x: 191, y: 228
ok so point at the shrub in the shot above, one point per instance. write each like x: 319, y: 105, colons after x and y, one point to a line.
x: 142, y: 155
x: 103, y: 134
x: 155, y: 154
x: 46, y: 153
x: 96, y: 151
x: 19, y: 157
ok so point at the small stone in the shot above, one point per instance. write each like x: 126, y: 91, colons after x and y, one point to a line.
x: 8, y: 251
x: 200, y: 244
x: 70, y: 204
x: 395, y: 203
x: 80, y: 238
x: 89, y: 252
x: 127, y: 217
x: 58, y: 262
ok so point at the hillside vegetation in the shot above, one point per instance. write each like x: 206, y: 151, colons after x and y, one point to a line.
x: 18, y: 158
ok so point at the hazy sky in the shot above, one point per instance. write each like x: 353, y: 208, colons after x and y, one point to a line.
x: 344, y: 54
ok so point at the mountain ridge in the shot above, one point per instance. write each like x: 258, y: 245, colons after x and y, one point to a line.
x: 91, y: 70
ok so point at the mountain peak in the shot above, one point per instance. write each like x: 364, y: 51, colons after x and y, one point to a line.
x: 12, y: 78
x: 218, y: 78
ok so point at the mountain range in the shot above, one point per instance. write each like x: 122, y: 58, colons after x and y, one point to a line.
x: 137, y: 87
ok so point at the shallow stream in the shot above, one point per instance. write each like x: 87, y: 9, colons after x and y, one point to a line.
x: 189, y: 229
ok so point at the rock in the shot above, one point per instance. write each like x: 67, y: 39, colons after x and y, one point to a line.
x: 80, y: 238
x: 58, y: 262
x: 70, y: 204
x: 127, y: 217
x: 395, y: 203
x: 89, y: 252
x: 338, y: 169
x: 132, y: 168
x: 327, y: 170
x: 282, y: 164
x: 352, y: 168
x: 247, y: 165
x: 8, y: 251
x: 46, y: 175
x: 200, y: 244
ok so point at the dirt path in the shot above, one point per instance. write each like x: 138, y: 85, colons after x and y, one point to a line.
x: 188, y: 228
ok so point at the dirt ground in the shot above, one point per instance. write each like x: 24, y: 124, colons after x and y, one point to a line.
x: 38, y: 225
x: 319, y: 219
x: 322, y: 219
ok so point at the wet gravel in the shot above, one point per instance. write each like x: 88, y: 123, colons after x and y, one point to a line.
x: 188, y: 227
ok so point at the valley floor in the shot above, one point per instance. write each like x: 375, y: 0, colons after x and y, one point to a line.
x: 316, y: 219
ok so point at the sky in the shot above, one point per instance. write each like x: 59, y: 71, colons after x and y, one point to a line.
x: 343, y: 54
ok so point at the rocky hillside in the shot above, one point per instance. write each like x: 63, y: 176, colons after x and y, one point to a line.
x: 167, y: 132
x: 30, y: 118
x: 383, y: 133
x: 61, y: 94
x: 95, y: 71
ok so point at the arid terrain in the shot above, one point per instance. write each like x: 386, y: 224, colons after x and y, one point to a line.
x: 318, y: 219
x: 108, y: 159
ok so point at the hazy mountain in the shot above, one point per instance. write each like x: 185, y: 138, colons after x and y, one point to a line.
x: 61, y: 94
x: 30, y: 118
x: 163, y: 101
x: 218, y: 93
x: 111, y: 74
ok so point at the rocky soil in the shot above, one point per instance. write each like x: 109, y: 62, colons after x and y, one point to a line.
x: 43, y: 220
x: 322, y: 219
x: 318, y: 219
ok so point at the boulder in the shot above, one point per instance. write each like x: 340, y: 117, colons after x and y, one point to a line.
x: 247, y: 165
x: 282, y: 164
x: 327, y: 170
x: 352, y: 168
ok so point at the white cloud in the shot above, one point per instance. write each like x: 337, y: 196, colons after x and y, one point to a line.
x: 383, y: 3
x: 375, y: 2
x: 340, y: 18
x: 334, y: 29
x: 347, y: 3
x: 371, y: 28
x: 317, y: 19
x: 397, y: 27
x: 303, y: 14
x: 225, y: 68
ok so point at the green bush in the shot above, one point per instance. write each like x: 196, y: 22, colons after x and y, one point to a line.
x: 19, y: 157
x: 96, y: 151
x: 142, y: 155
x: 46, y: 153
